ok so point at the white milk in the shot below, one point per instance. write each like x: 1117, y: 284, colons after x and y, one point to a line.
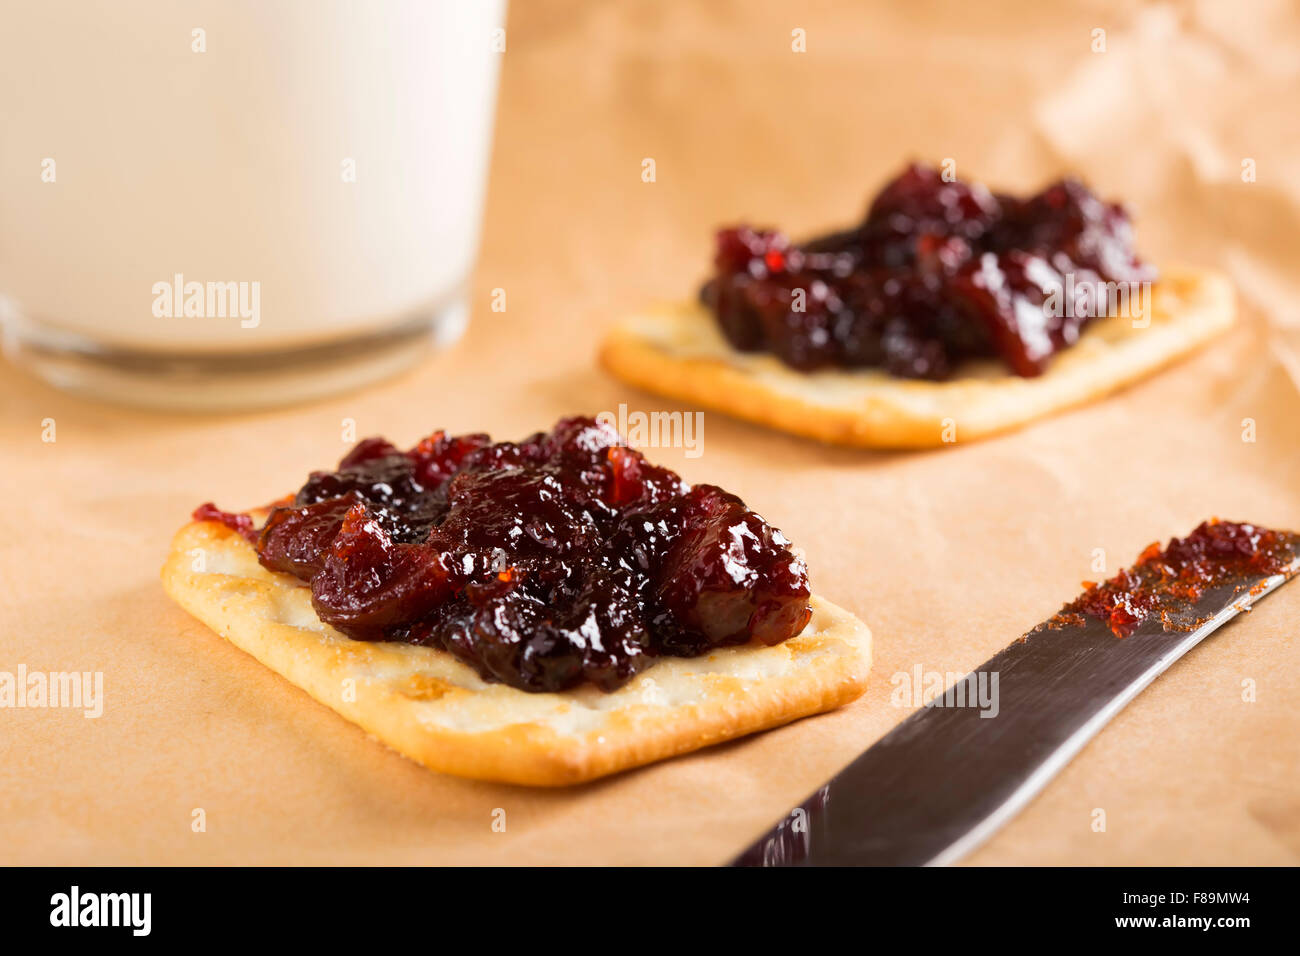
x: 232, y: 165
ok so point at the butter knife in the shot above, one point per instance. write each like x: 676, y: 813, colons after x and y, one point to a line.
x: 947, y: 778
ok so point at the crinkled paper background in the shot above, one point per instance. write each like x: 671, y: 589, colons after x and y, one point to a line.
x: 947, y: 555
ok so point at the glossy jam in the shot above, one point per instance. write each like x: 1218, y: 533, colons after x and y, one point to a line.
x: 937, y: 273
x: 563, y: 558
x: 1173, y: 578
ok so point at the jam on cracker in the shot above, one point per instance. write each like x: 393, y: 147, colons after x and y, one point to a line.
x: 563, y: 558
x: 939, y: 272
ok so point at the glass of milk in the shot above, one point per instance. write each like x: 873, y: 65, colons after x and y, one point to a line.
x: 239, y: 202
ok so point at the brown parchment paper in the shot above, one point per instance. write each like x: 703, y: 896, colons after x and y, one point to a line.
x: 948, y: 555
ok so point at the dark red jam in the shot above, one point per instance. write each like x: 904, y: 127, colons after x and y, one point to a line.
x: 563, y: 558
x: 1163, y: 582
x: 938, y: 272
x: 241, y: 524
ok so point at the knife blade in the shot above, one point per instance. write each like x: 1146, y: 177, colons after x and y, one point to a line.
x: 946, y: 778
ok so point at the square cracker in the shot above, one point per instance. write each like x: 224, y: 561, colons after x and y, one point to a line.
x: 678, y: 351
x: 427, y: 704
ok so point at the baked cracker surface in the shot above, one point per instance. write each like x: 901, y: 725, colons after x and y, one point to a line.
x: 677, y: 351
x: 428, y: 705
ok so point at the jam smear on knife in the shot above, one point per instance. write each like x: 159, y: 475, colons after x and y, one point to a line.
x: 1168, y: 580
x: 940, y: 271
x: 563, y: 558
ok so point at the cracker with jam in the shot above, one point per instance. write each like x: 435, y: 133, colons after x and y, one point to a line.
x: 539, y: 612
x: 949, y: 313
